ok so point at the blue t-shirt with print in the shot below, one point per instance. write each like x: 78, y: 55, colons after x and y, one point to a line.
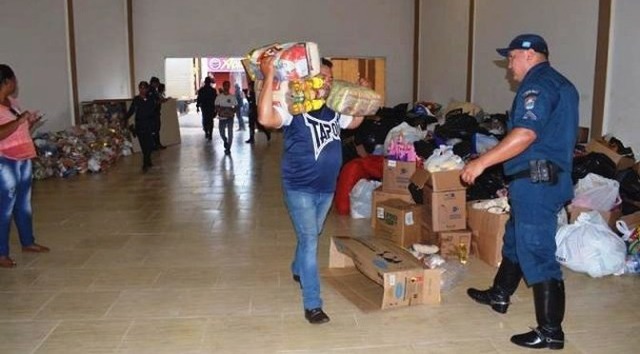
x: 312, y: 152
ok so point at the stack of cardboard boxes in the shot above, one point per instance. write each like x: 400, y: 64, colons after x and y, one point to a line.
x: 394, y: 215
x: 444, y: 216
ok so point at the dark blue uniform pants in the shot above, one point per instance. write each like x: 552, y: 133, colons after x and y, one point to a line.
x: 529, y: 237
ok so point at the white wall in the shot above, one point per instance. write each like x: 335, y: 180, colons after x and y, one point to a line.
x: 191, y: 28
x: 444, y: 32
x: 622, y: 109
x: 570, y: 28
x: 102, y: 52
x: 34, y: 44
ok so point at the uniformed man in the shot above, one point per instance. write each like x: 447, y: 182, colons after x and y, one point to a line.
x: 537, y: 154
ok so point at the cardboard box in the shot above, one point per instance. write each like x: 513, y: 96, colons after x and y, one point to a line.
x: 601, y: 146
x: 452, y: 241
x: 429, y: 236
x: 438, y: 181
x: 380, y: 196
x: 399, y: 222
x: 609, y: 216
x: 488, y: 232
x: 444, y: 211
x: 377, y: 274
x: 396, y: 176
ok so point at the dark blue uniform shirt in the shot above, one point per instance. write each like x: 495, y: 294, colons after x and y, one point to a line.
x: 547, y: 103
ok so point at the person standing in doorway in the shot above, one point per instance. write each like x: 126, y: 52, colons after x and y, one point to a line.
x: 239, y: 108
x: 311, y: 162
x: 538, y: 158
x: 157, y: 95
x: 253, y: 115
x: 207, y: 103
x: 226, y: 105
x: 16, y: 152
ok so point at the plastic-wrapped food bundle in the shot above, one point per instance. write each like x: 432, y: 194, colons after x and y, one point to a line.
x: 94, y: 146
x: 353, y: 100
x: 294, y: 60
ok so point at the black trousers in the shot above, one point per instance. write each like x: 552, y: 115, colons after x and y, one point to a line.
x: 253, y: 124
x: 145, y: 137
x: 207, y: 121
x: 156, y: 132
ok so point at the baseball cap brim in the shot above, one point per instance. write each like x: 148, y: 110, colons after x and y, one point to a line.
x: 504, y: 51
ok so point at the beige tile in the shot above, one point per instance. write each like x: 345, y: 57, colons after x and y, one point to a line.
x: 115, y: 242
x: 126, y: 278
x: 61, y: 259
x: 85, y: 337
x: 78, y: 305
x: 126, y: 258
x: 65, y: 279
x: 22, y: 306
x: 164, y: 336
x: 245, y: 334
x: 18, y: 278
x: 147, y: 303
x: 461, y: 345
x: 24, y: 337
x: 216, y: 302
x: 187, y: 277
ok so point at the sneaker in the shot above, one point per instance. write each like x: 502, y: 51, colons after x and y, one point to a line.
x: 316, y: 316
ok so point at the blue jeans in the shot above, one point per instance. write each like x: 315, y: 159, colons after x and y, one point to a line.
x: 308, y: 212
x: 15, y: 201
x: 225, y: 128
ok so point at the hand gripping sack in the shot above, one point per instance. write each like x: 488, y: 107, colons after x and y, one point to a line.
x: 589, y: 246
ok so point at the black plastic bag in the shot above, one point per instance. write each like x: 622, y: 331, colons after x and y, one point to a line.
x: 593, y: 162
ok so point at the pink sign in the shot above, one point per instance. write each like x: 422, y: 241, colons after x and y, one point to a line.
x: 224, y: 65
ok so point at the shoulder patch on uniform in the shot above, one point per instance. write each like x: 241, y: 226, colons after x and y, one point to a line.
x: 530, y: 97
x: 529, y: 115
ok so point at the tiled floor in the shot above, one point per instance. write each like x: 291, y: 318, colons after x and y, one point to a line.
x: 193, y: 257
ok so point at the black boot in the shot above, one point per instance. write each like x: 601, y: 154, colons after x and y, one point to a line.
x: 504, y: 285
x: 548, y: 297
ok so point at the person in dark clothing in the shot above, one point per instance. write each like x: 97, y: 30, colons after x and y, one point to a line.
x: 157, y: 95
x: 144, y: 107
x: 253, y: 115
x: 207, y: 103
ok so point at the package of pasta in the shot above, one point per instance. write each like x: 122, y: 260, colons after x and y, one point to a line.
x: 293, y: 61
x: 352, y: 99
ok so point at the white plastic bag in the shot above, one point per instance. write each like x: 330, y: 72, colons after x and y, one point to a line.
x: 597, y: 193
x: 443, y: 159
x: 589, y: 246
x: 410, y: 134
x: 360, y: 198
